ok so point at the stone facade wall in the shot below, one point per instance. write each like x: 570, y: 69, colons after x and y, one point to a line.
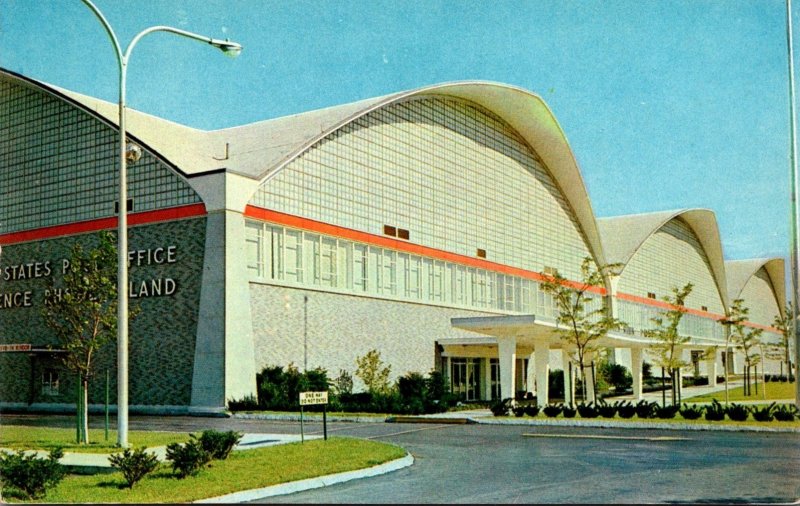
x: 162, y: 336
x: 343, y: 327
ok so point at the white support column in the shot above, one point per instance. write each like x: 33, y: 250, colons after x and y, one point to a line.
x: 542, y: 360
x: 711, y: 366
x: 530, y: 378
x: 569, y: 379
x: 507, y: 353
x: 637, y: 359
x: 587, y: 377
x: 486, y: 372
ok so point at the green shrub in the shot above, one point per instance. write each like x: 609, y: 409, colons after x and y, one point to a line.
x: 30, y: 474
x: 568, y: 411
x: 691, y: 412
x: 518, y: 410
x: 501, y: 407
x: 343, y: 384
x: 246, y: 403
x: 715, y: 412
x: 626, y: 410
x: 218, y: 444
x: 737, y: 412
x: 666, y: 411
x: 187, y: 458
x: 785, y: 413
x: 763, y: 414
x: 279, y: 389
x: 134, y: 465
x: 587, y: 410
x: 616, y: 375
x: 607, y: 410
x: 555, y: 380
x: 645, y: 409
x: 531, y: 410
x: 552, y: 410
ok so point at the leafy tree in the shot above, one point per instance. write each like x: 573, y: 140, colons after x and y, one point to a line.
x: 343, y: 384
x: 83, y: 313
x: 373, y: 373
x: 667, y: 339
x: 784, y: 325
x: 745, y: 339
x: 582, y: 319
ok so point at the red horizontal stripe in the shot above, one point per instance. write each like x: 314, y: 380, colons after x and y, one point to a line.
x: 391, y: 243
x: 81, y: 227
x: 704, y: 314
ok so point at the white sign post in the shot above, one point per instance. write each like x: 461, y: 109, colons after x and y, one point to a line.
x: 309, y: 398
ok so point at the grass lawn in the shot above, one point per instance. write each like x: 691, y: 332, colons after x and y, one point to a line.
x: 775, y: 391
x: 243, y: 470
x: 47, y: 438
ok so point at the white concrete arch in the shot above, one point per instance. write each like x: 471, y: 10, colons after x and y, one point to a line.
x: 741, y: 271
x: 280, y: 141
x: 623, y: 236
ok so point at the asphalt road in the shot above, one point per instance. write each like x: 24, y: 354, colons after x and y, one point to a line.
x: 526, y: 464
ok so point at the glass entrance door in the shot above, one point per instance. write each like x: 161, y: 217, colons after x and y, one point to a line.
x: 465, y: 378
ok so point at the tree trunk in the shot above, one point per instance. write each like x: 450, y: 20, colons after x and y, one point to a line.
x: 85, y: 408
x: 755, y: 377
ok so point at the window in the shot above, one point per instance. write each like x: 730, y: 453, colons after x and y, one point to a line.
x: 403, y: 234
x: 481, y: 253
x: 651, y: 295
x: 292, y: 256
x: 50, y: 382
x: 389, y: 230
x: 704, y: 308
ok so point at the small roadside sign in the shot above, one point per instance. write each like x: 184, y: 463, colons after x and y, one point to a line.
x: 310, y: 398
x: 19, y: 347
x: 307, y: 398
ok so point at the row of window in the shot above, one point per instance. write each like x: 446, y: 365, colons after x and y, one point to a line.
x: 286, y: 255
x: 296, y: 257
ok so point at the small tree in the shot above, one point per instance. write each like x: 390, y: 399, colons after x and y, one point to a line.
x: 744, y: 339
x: 667, y: 339
x: 582, y: 321
x: 373, y: 373
x: 83, y: 313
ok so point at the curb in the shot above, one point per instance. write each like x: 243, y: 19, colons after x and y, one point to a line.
x: 424, y: 419
x: 311, y: 483
x: 609, y: 424
x: 308, y: 417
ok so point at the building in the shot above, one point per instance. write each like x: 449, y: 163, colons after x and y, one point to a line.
x: 419, y: 224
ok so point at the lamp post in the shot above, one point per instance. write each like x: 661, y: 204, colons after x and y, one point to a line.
x: 229, y: 48
x: 795, y: 190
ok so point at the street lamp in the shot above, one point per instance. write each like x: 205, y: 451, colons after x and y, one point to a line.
x: 795, y: 191
x: 132, y: 152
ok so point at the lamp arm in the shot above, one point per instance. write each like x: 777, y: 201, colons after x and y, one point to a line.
x: 170, y: 29
x: 109, y: 31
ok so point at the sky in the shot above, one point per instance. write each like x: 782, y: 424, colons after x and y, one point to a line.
x: 666, y: 104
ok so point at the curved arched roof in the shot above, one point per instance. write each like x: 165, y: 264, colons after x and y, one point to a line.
x: 280, y: 141
x: 622, y: 237
x: 260, y: 150
x: 741, y: 271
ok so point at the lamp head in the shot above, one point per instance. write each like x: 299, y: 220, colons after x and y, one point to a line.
x: 231, y: 49
x: 133, y: 153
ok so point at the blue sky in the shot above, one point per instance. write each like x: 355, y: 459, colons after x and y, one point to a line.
x: 666, y: 104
